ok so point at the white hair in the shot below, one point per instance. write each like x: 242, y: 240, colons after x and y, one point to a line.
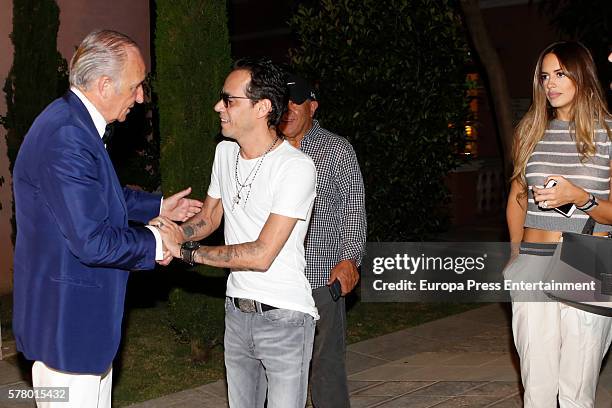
x: 101, y: 53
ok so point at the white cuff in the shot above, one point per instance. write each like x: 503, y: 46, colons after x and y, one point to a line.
x: 159, y: 252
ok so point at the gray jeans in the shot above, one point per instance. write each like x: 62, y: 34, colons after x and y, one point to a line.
x: 275, y: 346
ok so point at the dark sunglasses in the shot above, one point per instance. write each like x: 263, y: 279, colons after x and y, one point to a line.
x: 226, y: 98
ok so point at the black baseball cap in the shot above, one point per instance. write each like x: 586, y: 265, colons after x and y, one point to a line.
x: 300, y: 89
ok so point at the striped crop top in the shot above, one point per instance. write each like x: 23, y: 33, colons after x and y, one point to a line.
x: 556, y: 154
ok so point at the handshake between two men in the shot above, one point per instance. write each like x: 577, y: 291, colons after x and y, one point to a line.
x: 180, y: 208
x: 199, y: 220
x: 172, y: 238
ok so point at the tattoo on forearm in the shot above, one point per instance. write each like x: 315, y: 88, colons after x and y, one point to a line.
x: 234, y: 256
x: 190, y: 229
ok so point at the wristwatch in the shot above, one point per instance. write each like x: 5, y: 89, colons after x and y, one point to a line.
x: 592, y: 203
x: 187, y: 250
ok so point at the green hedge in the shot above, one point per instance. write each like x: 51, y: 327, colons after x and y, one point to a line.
x: 192, y: 60
x: 38, y: 74
x: 393, y: 81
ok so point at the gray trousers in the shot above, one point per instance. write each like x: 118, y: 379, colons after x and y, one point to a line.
x: 328, y: 383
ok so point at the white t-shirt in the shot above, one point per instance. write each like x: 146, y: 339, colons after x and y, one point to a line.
x: 284, y: 184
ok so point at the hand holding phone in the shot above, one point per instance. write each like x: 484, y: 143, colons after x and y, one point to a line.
x: 566, y: 209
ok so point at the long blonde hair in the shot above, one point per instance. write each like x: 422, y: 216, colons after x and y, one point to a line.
x: 588, y: 109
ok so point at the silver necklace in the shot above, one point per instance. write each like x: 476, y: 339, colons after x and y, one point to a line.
x: 246, y: 184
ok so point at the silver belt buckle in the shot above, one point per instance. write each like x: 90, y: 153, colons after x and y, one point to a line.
x: 247, y: 305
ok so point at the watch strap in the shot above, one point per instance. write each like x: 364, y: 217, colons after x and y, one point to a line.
x: 592, y: 203
x: 188, y: 250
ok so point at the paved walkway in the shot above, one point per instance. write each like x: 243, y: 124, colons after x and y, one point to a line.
x: 465, y: 360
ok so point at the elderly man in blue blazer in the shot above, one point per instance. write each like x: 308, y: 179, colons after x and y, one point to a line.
x: 74, y: 246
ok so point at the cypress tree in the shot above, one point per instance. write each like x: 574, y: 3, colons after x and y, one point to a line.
x: 192, y: 59
x: 38, y: 74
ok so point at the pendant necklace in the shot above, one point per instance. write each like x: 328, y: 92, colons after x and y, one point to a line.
x: 246, y: 184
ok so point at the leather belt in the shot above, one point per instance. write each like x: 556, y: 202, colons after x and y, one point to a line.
x: 251, y: 306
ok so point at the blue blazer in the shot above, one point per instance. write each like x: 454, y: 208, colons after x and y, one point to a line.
x: 74, y: 247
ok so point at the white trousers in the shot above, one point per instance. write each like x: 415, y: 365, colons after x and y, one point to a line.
x: 85, y: 390
x: 561, y: 347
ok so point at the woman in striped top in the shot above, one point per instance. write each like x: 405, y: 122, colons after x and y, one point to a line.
x: 565, y: 136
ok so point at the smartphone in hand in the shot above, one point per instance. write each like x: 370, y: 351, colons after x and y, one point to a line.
x: 336, y: 290
x: 566, y: 209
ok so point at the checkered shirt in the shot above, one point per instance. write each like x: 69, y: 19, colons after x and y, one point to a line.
x: 338, y: 224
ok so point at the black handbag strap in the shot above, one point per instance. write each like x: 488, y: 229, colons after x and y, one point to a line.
x: 589, y: 227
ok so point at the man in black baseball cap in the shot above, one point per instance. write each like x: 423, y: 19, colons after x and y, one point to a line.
x: 300, y: 89
x: 335, y: 241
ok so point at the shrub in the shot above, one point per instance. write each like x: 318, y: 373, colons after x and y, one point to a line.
x: 392, y: 80
x: 38, y: 74
x: 192, y: 59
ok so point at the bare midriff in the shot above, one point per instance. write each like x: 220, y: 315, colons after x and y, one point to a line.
x: 538, y: 235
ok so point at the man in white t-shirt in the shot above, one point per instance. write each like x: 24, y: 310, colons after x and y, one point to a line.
x: 265, y: 189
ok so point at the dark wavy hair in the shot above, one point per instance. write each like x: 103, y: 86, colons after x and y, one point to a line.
x: 267, y: 82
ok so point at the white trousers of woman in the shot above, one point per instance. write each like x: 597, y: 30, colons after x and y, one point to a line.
x: 560, y: 348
